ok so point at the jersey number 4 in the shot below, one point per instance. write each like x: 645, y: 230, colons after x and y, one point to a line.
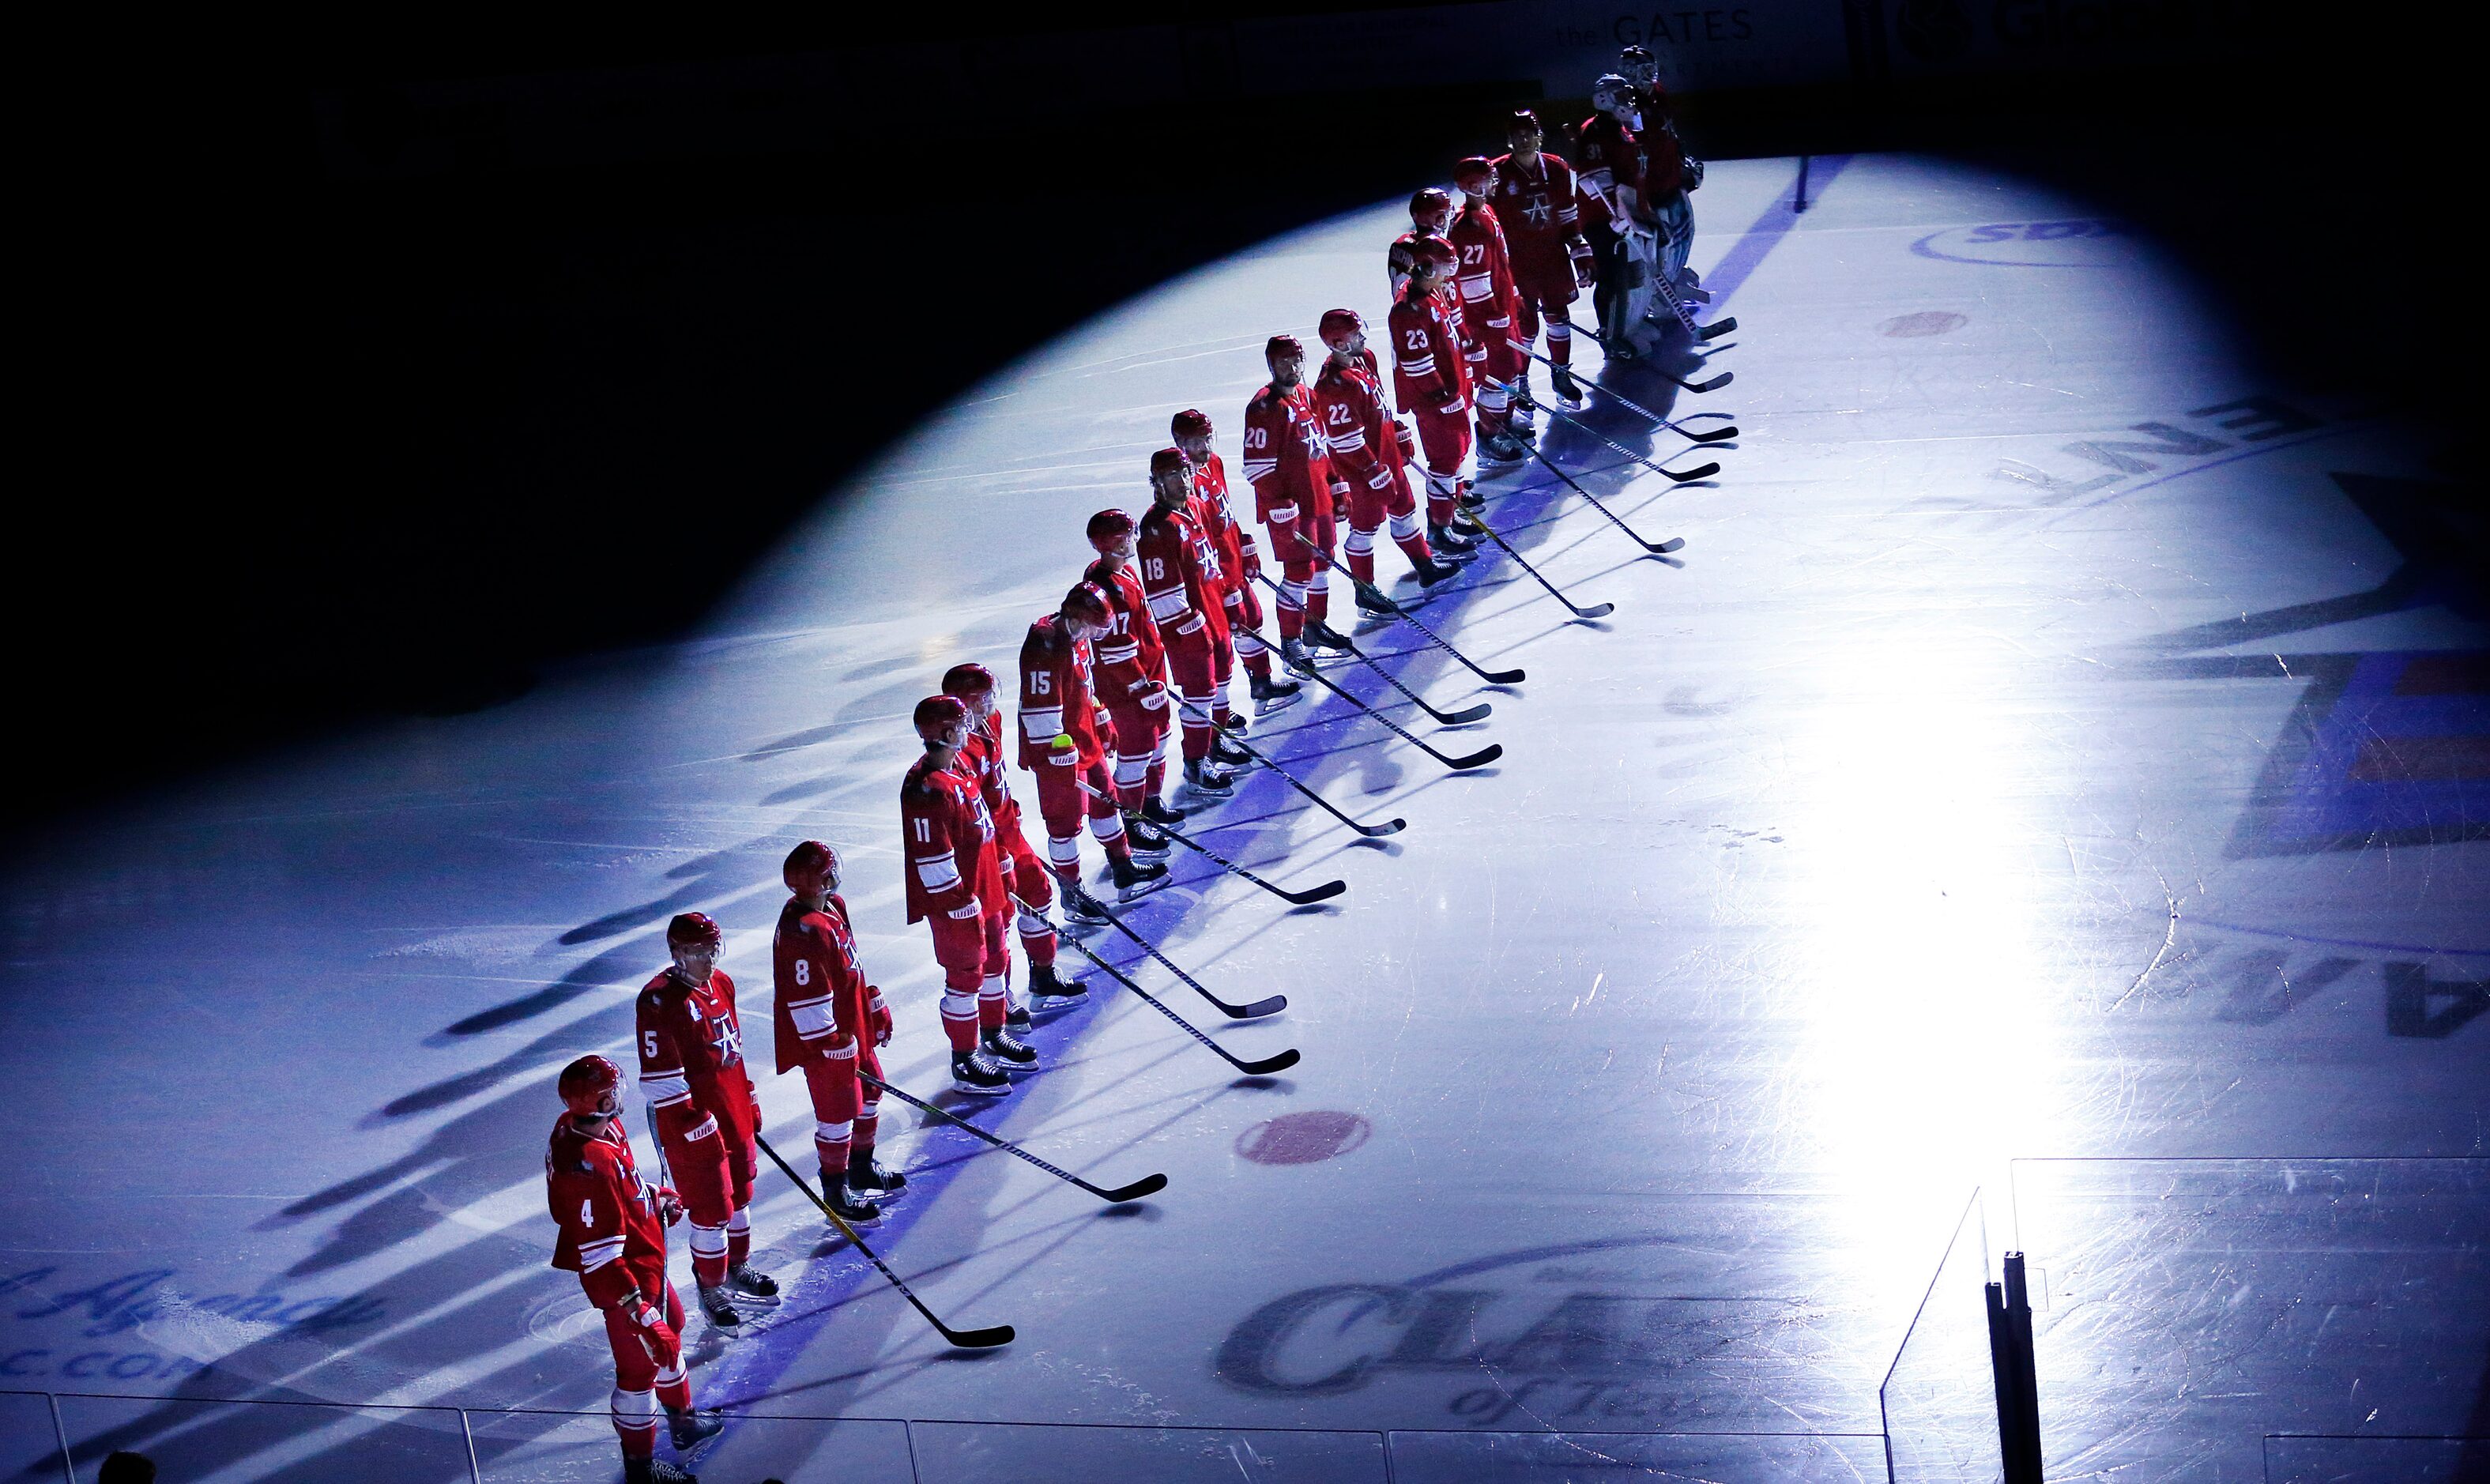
x: 587, y: 1215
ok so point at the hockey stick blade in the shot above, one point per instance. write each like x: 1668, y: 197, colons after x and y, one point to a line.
x: 1513, y: 677
x: 1666, y: 546
x: 1702, y: 470
x: 1699, y: 387
x: 1479, y: 759
x: 1717, y: 329
x: 1715, y: 435
x: 1306, y: 898
x: 1255, y: 1011
x: 988, y: 1338
x: 1261, y: 1069
x: 1147, y: 1185
x: 1463, y: 717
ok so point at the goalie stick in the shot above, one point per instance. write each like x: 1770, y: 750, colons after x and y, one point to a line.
x: 1338, y: 640
x: 1470, y: 519
x: 1371, y: 831
x: 987, y: 1338
x: 1261, y: 1069
x: 1146, y: 1185
x: 1479, y: 759
x: 1375, y: 594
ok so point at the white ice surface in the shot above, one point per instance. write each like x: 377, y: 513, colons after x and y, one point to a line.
x: 1862, y: 851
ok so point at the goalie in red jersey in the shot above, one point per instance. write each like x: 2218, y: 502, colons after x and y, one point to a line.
x: 612, y: 1227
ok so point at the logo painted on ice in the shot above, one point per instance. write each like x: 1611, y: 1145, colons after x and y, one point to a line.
x: 1585, y: 1346
x: 2082, y: 242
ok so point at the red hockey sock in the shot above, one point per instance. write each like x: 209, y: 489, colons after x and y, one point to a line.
x: 833, y: 1154
x: 1361, y: 564
x: 1292, y: 623
x: 1414, y: 546
x: 1319, y: 603
x: 1157, y: 780
x: 708, y: 1255
x: 674, y: 1395
x: 739, y: 1238
x: 1439, y: 509
x: 994, y: 1003
x: 1039, y: 945
x: 638, y: 1435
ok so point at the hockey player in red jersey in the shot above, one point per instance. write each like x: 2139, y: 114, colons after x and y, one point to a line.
x: 830, y: 1022
x: 1538, y: 202
x: 1484, y: 279
x: 1294, y: 491
x: 703, y: 1112
x: 1430, y: 379
x: 1061, y: 742
x: 1366, y: 453
x: 1180, y: 574
x: 1129, y: 667
x: 1240, y: 562
x: 955, y: 886
x: 1431, y: 214
x: 1030, y: 886
x: 612, y: 1226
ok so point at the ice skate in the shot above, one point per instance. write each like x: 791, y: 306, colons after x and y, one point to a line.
x: 1144, y: 838
x: 717, y: 1306
x: 1502, y: 447
x: 1157, y: 811
x: 1006, y: 1051
x: 1209, y: 780
x: 1270, y: 693
x: 750, y: 1287
x: 1136, y: 879
x: 974, y: 1074
x: 654, y: 1471
x: 1228, y: 755
x: 1436, y: 572
x: 686, y: 1427
x: 1051, y: 991
x: 1569, y: 391
x: 1450, y: 545
x: 871, y: 1179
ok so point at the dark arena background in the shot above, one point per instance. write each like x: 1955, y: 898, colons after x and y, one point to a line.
x: 1966, y: 957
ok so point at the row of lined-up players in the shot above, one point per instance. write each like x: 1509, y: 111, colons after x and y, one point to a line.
x: 1147, y: 642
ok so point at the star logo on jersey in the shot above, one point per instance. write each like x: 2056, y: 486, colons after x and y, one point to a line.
x: 725, y: 1044
x: 1538, y: 211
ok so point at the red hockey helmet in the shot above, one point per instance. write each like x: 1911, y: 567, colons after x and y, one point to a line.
x: 1338, y: 325
x: 587, y: 1083
x: 1192, y: 422
x: 1168, y: 461
x: 1473, y: 174
x: 1431, y: 209
x: 1107, y: 527
x: 810, y: 867
x: 1524, y: 120
x: 939, y: 717
x: 692, y: 930
x: 1088, y: 602
x: 967, y: 680
x: 1282, y: 345
x: 1433, y: 249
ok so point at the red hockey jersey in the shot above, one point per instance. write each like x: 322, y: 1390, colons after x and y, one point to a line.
x: 821, y: 992
x: 1180, y: 574
x: 611, y: 1223
x: 1054, y: 698
x: 1239, y: 558
x: 1132, y: 652
x: 691, y: 1052
x: 1365, y: 450
x: 1284, y: 453
x: 1429, y: 368
x: 948, y: 840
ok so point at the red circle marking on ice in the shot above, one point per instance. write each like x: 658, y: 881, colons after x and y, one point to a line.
x: 1911, y: 327
x: 1303, y: 1138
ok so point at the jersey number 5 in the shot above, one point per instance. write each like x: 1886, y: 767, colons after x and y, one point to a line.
x: 648, y: 1044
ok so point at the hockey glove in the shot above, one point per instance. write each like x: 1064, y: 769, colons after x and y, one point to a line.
x: 1586, y: 268
x: 877, y: 1016
x: 1340, y: 499
x: 1407, y: 439
x: 755, y: 1114
x: 657, y: 1336
x: 967, y: 912
x: 670, y: 1205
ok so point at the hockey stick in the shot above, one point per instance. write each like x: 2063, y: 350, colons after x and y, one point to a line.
x: 1339, y: 640
x: 1479, y: 759
x: 1272, y: 1006
x: 1702, y: 470
x: 1595, y: 611
x: 1654, y: 548
x: 1715, y: 435
x: 1306, y: 898
x: 1375, y: 595
x: 1371, y: 831
x: 1146, y: 1185
x: 1263, y: 1069
x: 987, y: 1338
